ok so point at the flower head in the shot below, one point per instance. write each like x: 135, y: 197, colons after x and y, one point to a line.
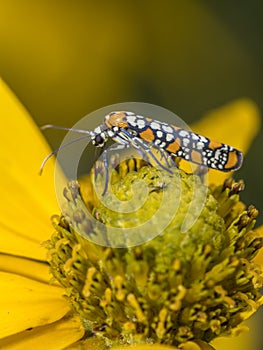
x: 179, y: 286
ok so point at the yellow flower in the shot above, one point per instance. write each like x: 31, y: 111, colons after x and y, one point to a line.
x: 32, y: 311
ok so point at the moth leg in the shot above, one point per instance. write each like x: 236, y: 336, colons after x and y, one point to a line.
x: 168, y: 159
x: 145, y: 148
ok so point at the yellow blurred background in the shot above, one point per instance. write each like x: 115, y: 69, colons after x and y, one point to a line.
x: 64, y: 59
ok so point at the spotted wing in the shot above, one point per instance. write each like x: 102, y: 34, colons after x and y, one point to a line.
x: 185, y: 144
x: 203, y: 151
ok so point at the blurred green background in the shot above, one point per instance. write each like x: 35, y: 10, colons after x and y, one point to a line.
x: 65, y: 59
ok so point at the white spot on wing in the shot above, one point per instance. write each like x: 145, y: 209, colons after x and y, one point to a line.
x: 140, y: 123
x: 202, y: 138
x: 194, y: 136
x: 200, y: 145
x: 217, y: 154
x: 167, y: 128
x: 184, y: 133
x: 169, y: 137
x: 132, y: 120
x: 186, y: 142
x: 155, y: 126
x: 159, y: 134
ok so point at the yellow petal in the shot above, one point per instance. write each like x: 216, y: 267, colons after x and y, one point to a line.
x: 55, y: 336
x: 27, y: 199
x: 190, y: 345
x: 197, y: 345
x: 26, y: 303
x: 94, y: 343
x: 235, y: 124
x: 242, y: 342
x: 36, y: 270
x: 248, y: 339
x: 147, y: 347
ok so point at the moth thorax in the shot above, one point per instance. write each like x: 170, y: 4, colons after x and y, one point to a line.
x: 116, y: 119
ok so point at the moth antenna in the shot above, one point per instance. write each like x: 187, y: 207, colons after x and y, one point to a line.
x: 51, y: 126
x: 57, y: 150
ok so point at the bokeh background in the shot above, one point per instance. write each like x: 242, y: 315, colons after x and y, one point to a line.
x: 65, y: 59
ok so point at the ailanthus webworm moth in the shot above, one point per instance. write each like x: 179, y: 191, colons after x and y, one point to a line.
x: 125, y: 127
x: 143, y: 133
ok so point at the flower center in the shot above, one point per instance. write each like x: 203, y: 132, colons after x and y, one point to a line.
x: 192, y: 284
